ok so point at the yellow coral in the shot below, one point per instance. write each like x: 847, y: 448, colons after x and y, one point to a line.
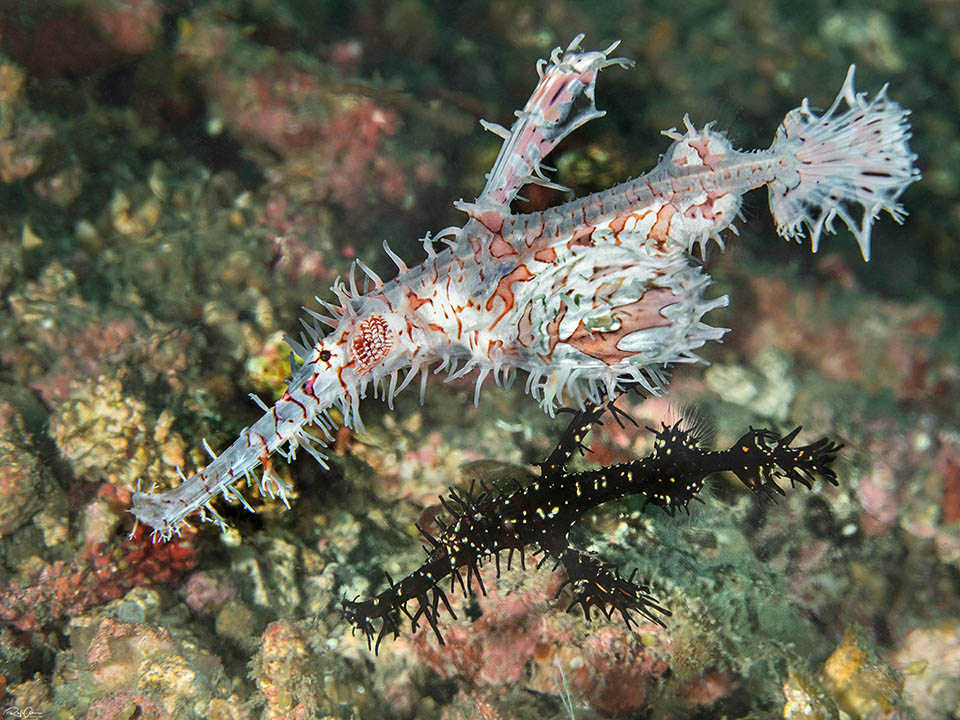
x: 268, y: 369
x: 105, y: 434
x: 858, y: 685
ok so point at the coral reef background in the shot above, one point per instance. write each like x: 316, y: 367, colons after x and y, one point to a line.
x: 178, y: 178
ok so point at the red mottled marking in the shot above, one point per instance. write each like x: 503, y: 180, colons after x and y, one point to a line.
x: 661, y: 228
x: 415, y: 301
x: 504, y: 290
x: 371, y: 342
x: 492, y: 220
x: 561, y: 279
x: 553, y: 332
x: 525, y: 327
x: 605, y: 292
x: 287, y: 397
x: 476, y: 246
x: 705, y: 209
x: 493, y: 345
x: 501, y: 248
x: 619, y: 223
x: 583, y: 237
x: 702, y: 146
x: 265, y: 459
x: 534, y: 232
x: 547, y: 255
x: 640, y: 315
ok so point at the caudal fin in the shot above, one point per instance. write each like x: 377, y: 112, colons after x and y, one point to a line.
x: 849, y: 164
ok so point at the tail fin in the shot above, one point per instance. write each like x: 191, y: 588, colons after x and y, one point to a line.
x: 858, y: 158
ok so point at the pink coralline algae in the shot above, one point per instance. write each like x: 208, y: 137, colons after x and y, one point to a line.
x: 101, y: 573
x: 276, y: 108
x: 293, y: 233
x: 496, y: 648
x: 283, y: 673
x: 355, y: 136
x: 115, y: 705
x: 297, y: 682
x: 84, y: 352
x: 330, y: 139
x: 523, y: 637
x: 878, y: 345
x: 930, y: 661
x: 888, y: 492
x: 933, y: 510
x: 346, y: 163
x: 63, y: 341
x: 207, y: 594
x: 119, y: 670
x: 618, y: 673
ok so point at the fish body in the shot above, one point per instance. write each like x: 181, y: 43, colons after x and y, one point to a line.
x: 581, y: 299
x: 481, y: 525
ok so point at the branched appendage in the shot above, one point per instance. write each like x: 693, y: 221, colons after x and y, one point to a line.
x: 765, y: 457
x: 485, y: 524
x: 362, y: 614
x: 571, y: 439
x: 596, y: 584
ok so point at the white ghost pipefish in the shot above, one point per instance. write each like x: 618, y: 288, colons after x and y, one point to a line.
x: 583, y: 298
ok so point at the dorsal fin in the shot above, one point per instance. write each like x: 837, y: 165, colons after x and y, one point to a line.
x: 554, y: 110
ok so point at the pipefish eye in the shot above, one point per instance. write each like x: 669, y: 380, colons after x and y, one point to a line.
x: 325, y: 355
